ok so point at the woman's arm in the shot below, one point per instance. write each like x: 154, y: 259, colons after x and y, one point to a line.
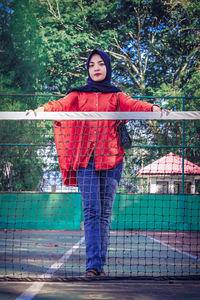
x: 67, y: 103
x: 129, y: 104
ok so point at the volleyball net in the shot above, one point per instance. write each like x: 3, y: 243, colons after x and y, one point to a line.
x: 155, y: 224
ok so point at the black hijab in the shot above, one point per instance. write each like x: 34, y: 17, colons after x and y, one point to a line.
x: 103, y: 86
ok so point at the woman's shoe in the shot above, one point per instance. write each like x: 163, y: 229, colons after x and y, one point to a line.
x: 92, y: 273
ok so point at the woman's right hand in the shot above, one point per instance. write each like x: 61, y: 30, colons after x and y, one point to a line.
x: 39, y: 109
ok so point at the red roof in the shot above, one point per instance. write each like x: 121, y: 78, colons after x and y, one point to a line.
x: 170, y: 164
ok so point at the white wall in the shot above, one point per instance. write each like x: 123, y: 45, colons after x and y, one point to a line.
x: 153, y: 189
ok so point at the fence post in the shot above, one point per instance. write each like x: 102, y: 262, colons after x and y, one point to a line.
x: 183, y: 197
x: 183, y: 148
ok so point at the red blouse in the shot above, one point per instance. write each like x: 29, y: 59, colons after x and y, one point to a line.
x: 77, y: 140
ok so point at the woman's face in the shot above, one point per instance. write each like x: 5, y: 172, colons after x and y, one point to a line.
x: 97, y: 68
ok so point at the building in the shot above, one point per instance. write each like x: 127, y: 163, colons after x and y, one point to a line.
x: 164, y: 176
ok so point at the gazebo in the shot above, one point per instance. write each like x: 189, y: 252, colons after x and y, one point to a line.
x: 164, y: 176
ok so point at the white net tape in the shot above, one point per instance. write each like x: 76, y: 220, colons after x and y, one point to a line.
x: 186, y: 115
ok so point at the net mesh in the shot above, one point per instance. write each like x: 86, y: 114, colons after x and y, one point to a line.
x: 154, y: 229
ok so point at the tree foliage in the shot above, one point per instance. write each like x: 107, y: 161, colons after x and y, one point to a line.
x: 153, y: 44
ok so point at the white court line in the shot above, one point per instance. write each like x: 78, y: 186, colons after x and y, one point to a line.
x: 172, y: 248
x: 37, y: 286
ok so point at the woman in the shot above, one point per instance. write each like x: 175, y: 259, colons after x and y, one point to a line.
x: 90, y: 152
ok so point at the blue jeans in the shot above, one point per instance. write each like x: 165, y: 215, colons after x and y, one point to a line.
x: 98, y: 190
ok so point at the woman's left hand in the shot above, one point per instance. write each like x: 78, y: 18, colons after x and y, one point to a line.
x: 39, y: 109
x: 156, y: 108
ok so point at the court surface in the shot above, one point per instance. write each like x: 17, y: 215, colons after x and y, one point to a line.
x: 44, y: 257
x: 38, y: 254
x: 101, y: 290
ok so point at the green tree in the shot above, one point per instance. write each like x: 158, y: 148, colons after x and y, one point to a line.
x: 22, y: 57
x: 154, y: 46
x: 126, y: 29
x: 151, y: 42
x: 7, y: 55
x: 26, y: 149
x: 22, y: 62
